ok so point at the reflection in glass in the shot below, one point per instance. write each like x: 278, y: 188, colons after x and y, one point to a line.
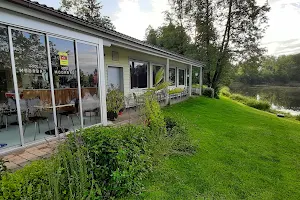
x: 65, y: 83
x: 138, y: 74
x: 88, y: 65
x: 155, y: 70
x: 181, y: 76
x: 172, y: 76
x: 33, y: 84
x: 9, y: 133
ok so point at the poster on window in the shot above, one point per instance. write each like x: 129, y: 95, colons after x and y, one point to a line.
x: 63, y: 58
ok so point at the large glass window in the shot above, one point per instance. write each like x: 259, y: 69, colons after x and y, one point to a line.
x: 181, y: 76
x: 33, y: 84
x: 155, y: 70
x: 172, y: 76
x: 9, y: 135
x: 138, y: 74
x: 65, y: 82
x: 88, y: 66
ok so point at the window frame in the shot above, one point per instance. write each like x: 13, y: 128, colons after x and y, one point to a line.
x: 130, y: 82
x: 175, y: 81
x: 184, y: 76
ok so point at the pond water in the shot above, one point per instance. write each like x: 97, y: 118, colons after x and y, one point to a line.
x: 285, y: 99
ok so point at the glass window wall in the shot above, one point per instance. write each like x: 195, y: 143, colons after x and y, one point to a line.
x: 65, y: 81
x: 9, y: 129
x: 88, y: 67
x: 33, y: 84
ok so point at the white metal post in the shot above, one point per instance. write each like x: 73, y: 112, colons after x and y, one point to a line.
x: 167, y: 80
x: 151, y: 76
x: 190, y: 80
x: 79, y: 84
x: 17, y: 97
x: 102, y: 84
x: 51, y: 85
x: 200, y: 80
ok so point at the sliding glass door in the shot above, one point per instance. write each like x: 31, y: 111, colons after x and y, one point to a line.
x: 9, y: 129
x: 90, y: 97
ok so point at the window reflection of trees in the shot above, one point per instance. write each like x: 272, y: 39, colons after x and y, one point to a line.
x: 138, y: 71
x: 31, y: 60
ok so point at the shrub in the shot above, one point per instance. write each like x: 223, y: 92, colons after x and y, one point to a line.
x: 238, y: 97
x: 27, y: 183
x: 260, y: 105
x: 122, y: 158
x: 2, y: 168
x: 176, y: 90
x: 208, y: 92
x: 225, y: 91
x: 298, y: 117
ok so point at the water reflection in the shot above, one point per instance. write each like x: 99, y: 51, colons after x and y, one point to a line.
x: 285, y: 99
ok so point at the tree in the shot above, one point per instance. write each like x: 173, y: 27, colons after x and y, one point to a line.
x: 89, y: 10
x: 225, y: 29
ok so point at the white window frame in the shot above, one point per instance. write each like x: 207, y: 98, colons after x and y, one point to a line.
x: 176, y: 78
x: 148, y: 70
x: 184, y: 78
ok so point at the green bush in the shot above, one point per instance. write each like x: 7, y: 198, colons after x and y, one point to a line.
x: 260, y: 105
x: 239, y: 98
x: 298, y: 117
x: 2, y: 168
x: 208, y: 92
x: 27, y: 183
x: 122, y: 158
x: 176, y: 90
x: 225, y: 91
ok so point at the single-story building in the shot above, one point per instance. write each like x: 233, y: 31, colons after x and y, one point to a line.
x: 51, y: 62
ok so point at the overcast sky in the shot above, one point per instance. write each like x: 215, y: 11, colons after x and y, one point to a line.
x: 132, y: 17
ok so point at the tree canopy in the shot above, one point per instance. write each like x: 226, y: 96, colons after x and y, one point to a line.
x: 89, y: 10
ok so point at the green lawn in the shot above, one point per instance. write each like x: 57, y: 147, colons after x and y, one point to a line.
x: 242, y: 153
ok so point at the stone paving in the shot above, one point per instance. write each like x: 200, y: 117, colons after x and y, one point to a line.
x: 20, y: 159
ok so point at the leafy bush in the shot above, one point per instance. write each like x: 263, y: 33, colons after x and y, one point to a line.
x: 2, y: 168
x: 121, y: 157
x: 239, y: 97
x: 225, y: 91
x: 27, y: 183
x: 176, y: 90
x: 208, y: 92
x: 298, y: 117
x: 261, y: 105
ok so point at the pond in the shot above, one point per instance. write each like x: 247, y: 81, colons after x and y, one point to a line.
x: 286, y: 99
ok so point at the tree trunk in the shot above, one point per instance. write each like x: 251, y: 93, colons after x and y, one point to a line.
x: 223, y: 49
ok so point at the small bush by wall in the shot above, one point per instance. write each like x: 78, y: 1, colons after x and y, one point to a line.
x: 225, y: 91
x: 208, y: 92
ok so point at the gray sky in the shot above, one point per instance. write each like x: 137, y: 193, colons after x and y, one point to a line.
x: 132, y: 17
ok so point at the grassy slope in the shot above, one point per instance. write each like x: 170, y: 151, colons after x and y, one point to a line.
x: 242, y: 153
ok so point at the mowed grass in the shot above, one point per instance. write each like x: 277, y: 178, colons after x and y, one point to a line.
x: 242, y: 153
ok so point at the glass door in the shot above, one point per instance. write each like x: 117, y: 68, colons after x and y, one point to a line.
x: 89, y: 81
x: 65, y: 80
x: 33, y: 81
